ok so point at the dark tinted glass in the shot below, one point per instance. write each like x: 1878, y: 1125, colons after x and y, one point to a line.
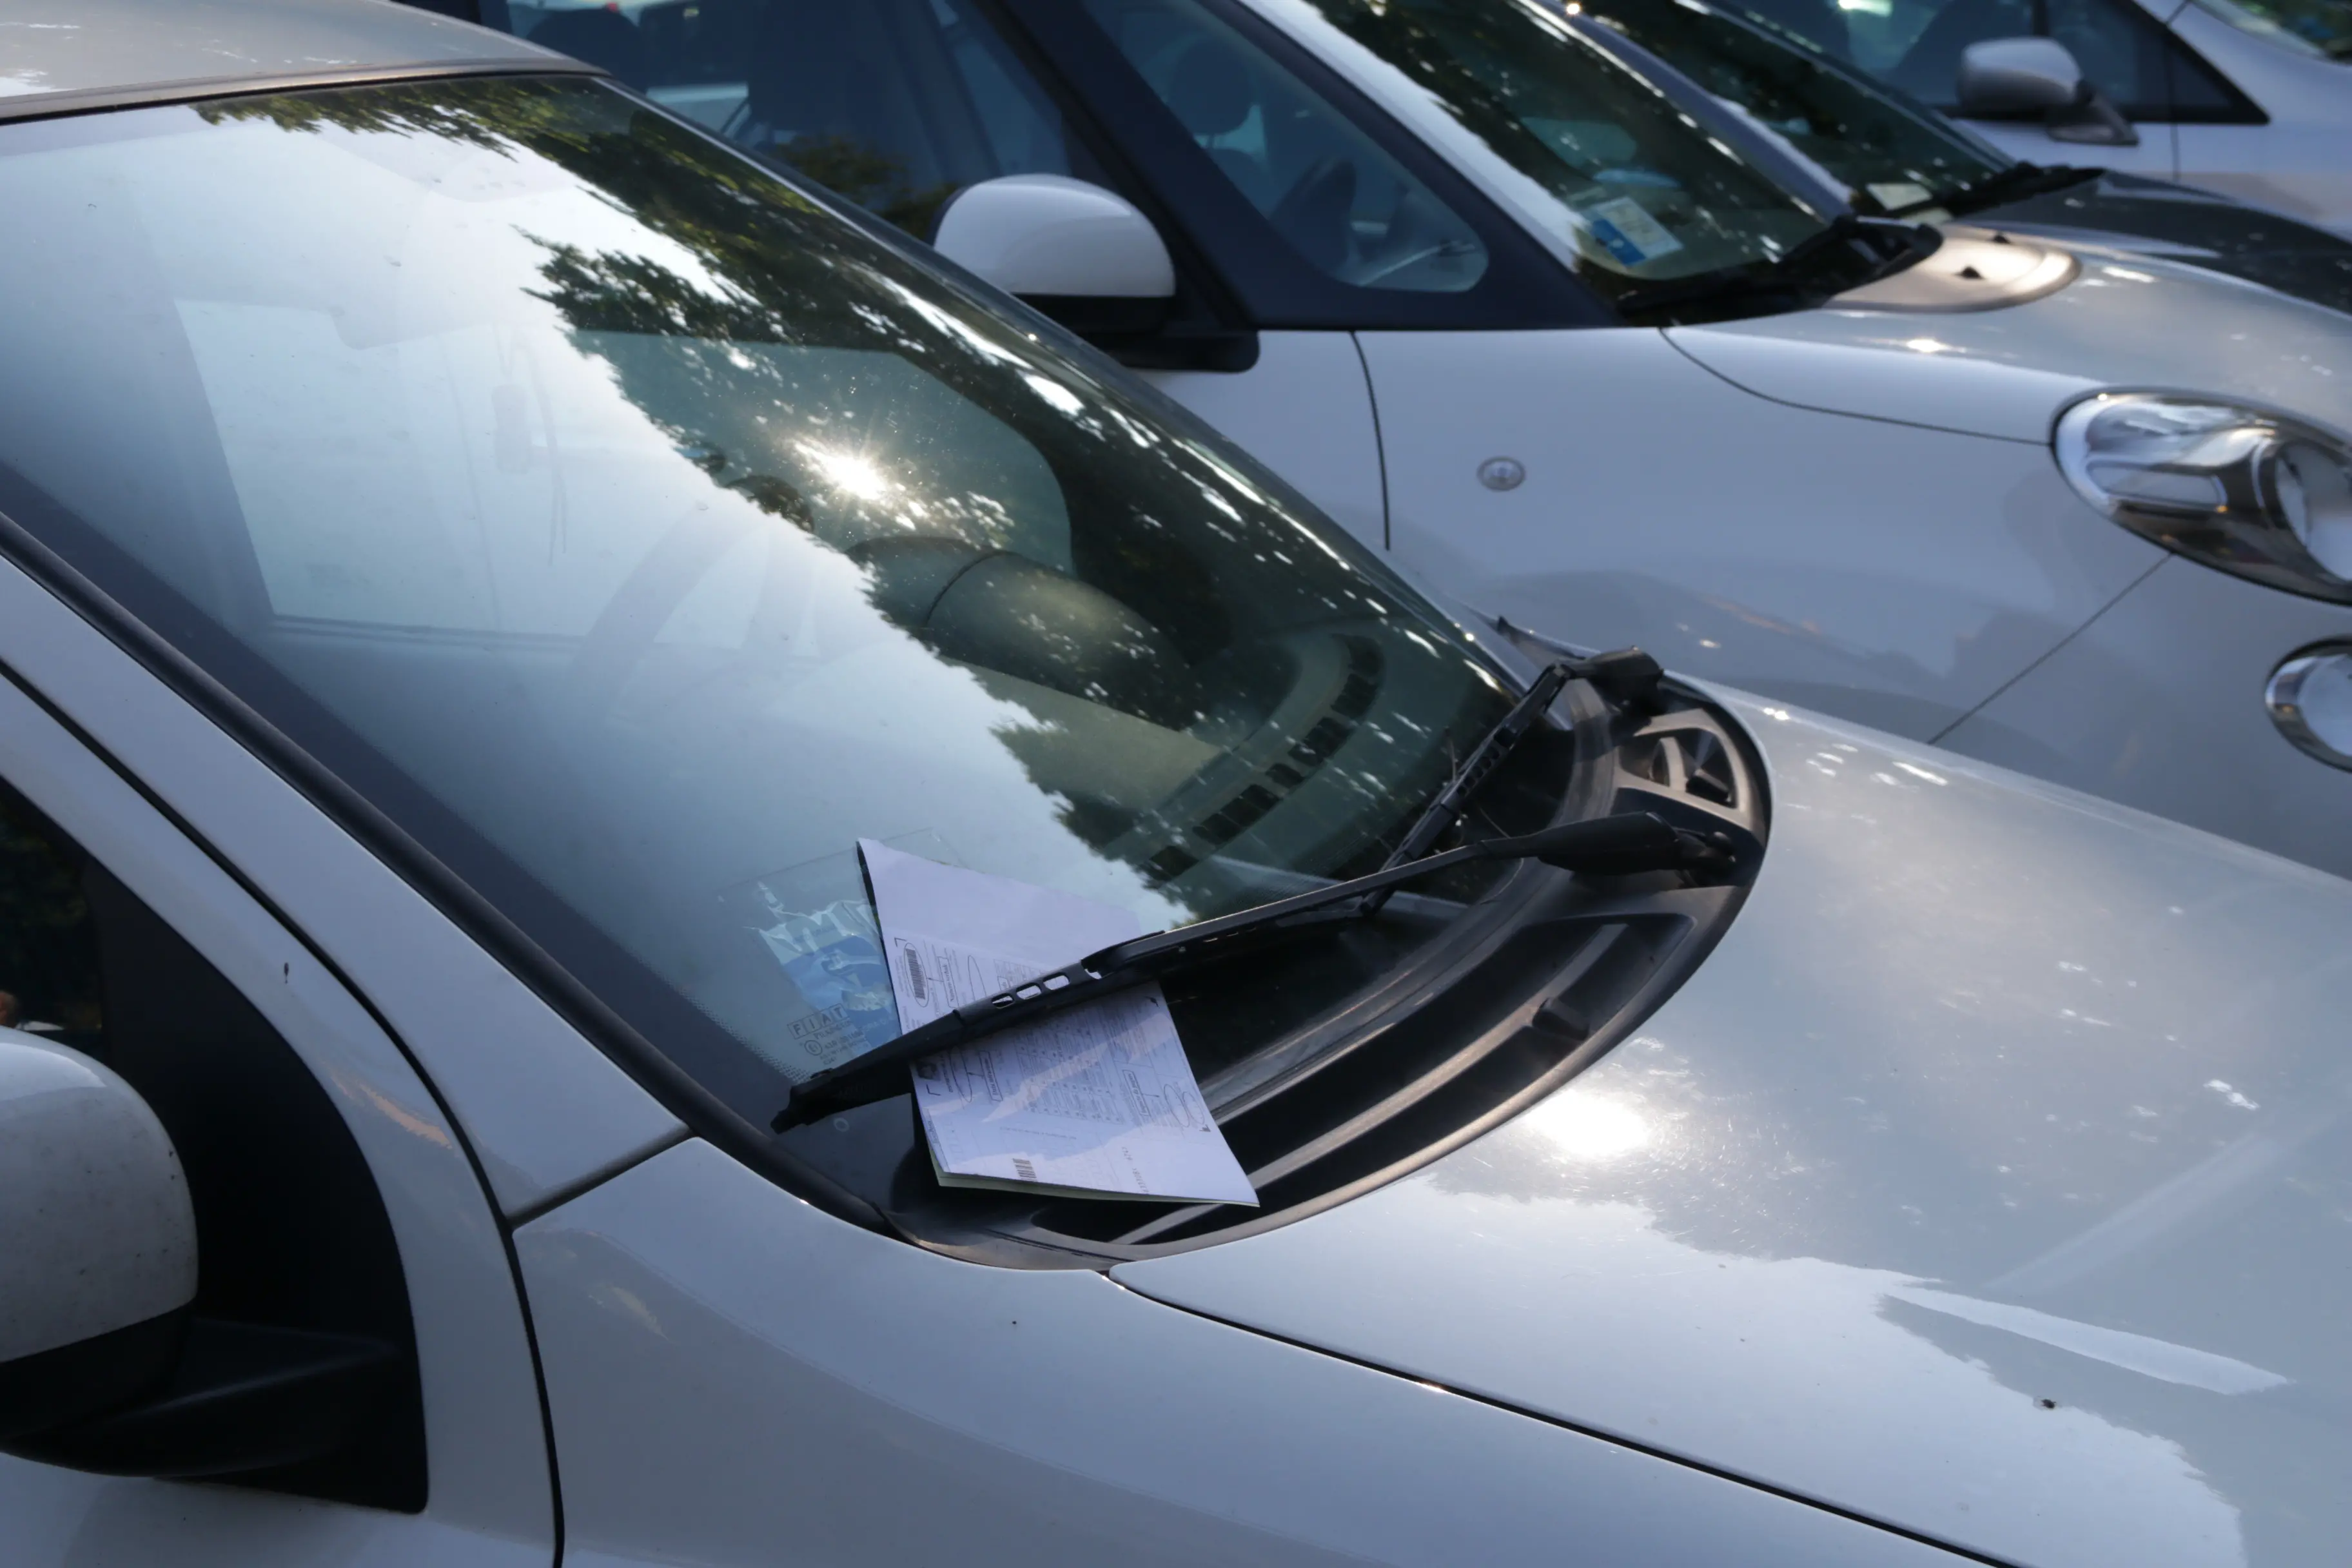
x: 895, y: 104
x: 1887, y: 149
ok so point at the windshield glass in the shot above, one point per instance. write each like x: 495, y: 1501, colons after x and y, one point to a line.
x: 1580, y: 142
x: 1886, y: 149
x: 638, y: 533
x: 2305, y: 27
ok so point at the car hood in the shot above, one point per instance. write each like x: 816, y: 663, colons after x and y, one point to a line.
x: 2008, y: 370
x: 2126, y: 213
x: 1991, y: 1180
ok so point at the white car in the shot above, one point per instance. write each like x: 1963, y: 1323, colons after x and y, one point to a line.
x: 476, y: 553
x: 1887, y: 154
x: 1474, y: 277
x: 2250, y: 97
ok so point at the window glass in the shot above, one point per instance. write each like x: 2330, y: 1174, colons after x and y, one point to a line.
x: 49, y: 949
x: 1916, y: 44
x: 639, y: 537
x: 1335, y: 198
x: 1611, y: 166
x: 1885, y: 148
x: 895, y: 104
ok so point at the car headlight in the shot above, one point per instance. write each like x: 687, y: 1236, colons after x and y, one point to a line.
x: 2310, y: 700
x: 2240, y: 490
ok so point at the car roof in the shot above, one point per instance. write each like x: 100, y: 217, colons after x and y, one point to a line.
x: 67, y: 56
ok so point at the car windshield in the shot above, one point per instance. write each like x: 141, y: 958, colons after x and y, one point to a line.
x: 2304, y: 27
x: 1581, y: 142
x: 637, y: 533
x: 1885, y: 149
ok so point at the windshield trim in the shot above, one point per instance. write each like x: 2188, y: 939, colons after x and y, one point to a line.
x: 206, y: 88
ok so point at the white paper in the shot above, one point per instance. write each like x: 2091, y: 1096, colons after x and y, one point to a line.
x: 1097, y: 1098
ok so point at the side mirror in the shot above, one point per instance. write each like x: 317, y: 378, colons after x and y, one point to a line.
x: 1075, y: 251
x: 97, y: 1240
x: 2011, y: 78
x: 2018, y: 75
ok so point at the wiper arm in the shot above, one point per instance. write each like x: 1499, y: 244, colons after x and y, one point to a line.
x: 1621, y: 845
x: 2013, y: 183
x: 1789, y: 271
x: 1627, y: 676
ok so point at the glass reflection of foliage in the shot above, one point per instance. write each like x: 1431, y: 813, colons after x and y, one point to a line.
x: 1155, y: 522
x: 868, y: 177
x: 1430, y: 43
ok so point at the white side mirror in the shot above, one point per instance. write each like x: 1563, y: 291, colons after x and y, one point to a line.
x: 2018, y: 75
x: 1081, y: 254
x: 98, y: 1240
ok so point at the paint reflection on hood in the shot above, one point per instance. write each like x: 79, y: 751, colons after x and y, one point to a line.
x: 1991, y: 1179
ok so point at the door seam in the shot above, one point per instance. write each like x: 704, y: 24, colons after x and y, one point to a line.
x: 1380, y: 447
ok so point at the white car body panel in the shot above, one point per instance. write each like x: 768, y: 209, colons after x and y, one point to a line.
x: 1893, y: 1169
x: 2297, y: 163
x: 490, y: 1501
x: 1307, y: 403
x: 737, y: 1379
x: 2010, y: 372
x: 544, y: 1117
x: 1895, y: 576
x: 1816, y: 557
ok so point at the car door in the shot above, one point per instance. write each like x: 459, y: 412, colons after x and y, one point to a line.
x: 2276, y: 139
x: 334, y: 1195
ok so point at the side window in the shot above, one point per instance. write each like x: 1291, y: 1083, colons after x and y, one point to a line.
x: 1916, y: 44
x: 895, y: 104
x: 1337, y: 198
x: 296, y: 1254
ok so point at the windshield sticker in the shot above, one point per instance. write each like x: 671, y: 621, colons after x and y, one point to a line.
x: 834, y: 958
x: 1625, y: 228
x: 815, y: 920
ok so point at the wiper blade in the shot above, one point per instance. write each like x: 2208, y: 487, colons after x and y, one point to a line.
x: 1791, y: 272
x: 1627, y: 676
x: 1620, y: 845
x: 2013, y: 183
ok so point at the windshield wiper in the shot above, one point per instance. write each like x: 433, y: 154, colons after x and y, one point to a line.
x: 1797, y: 272
x: 1627, y: 676
x: 2013, y: 183
x: 1620, y: 845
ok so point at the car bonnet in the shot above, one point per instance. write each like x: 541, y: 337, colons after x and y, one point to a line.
x: 2122, y: 322
x: 1990, y: 1180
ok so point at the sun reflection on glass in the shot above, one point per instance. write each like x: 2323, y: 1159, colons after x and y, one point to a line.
x: 847, y: 471
x: 1589, y: 1127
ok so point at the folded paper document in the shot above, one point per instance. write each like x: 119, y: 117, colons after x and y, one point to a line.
x: 1097, y: 1101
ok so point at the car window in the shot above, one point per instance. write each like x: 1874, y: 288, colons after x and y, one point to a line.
x: 1337, y: 198
x: 895, y: 104
x: 1916, y: 44
x: 1590, y: 153
x: 639, y: 536
x: 1887, y: 149
x: 49, y: 982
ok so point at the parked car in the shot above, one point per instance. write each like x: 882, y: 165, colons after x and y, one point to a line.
x: 475, y: 555
x: 2250, y: 97
x: 1595, y: 359
x: 1887, y: 154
